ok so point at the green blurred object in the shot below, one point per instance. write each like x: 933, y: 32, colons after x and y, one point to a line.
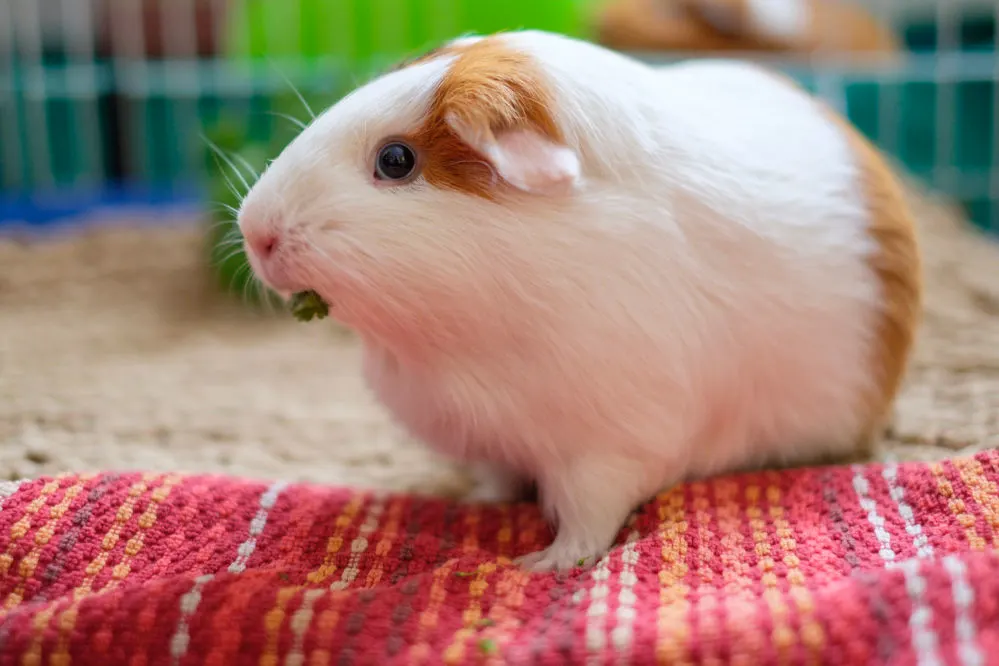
x: 367, y: 33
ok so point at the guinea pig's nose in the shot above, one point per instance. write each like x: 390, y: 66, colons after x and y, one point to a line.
x: 262, y: 243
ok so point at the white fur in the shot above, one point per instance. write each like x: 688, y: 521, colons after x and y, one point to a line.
x: 701, y: 302
x: 786, y: 20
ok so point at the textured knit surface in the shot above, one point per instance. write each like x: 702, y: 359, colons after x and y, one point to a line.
x: 846, y: 565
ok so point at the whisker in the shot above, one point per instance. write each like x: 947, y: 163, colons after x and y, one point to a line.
x: 249, y: 167
x: 247, y: 280
x: 231, y: 237
x: 258, y: 294
x: 267, y: 297
x: 225, y: 158
x: 228, y: 182
x: 290, y: 118
x: 221, y: 208
x: 234, y: 232
x: 294, y: 89
x: 233, y: 279
x: 231, y: 254
x: 217, y: 224
x: 227, y: 258
x: 230, y: 242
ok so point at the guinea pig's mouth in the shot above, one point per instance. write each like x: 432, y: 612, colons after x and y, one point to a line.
x: 281, y: 274
x: 286, y: 290
x: 272, y: 279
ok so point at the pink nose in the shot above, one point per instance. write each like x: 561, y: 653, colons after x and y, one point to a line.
x: 261, y: 244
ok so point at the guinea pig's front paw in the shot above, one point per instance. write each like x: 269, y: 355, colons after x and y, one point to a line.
x: 589, y: 500
x: 557, y: 557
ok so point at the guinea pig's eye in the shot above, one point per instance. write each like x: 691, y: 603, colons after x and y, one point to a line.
x: 395, y: 161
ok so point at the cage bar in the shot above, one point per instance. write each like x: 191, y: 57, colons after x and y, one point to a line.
x: 81, y: 80
x: 28, y: 39
x: 889, y: 88
x: 11, y: 163
x: 131, y: 77
x: 947, y: 42
x: 993, y: 198
x: 179, y: 23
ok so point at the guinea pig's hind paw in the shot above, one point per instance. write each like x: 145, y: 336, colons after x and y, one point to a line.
x: 555, y: 559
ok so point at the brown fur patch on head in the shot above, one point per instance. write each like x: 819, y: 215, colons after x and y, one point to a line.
x: 439, y: 51
x: 490, y: 87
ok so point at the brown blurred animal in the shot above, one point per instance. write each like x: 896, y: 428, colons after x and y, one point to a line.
x: 804, y: 27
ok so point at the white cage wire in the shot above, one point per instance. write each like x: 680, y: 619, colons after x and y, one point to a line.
x: 97, y: 92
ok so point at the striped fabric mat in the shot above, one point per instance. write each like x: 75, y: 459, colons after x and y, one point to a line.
x: 848, y: 565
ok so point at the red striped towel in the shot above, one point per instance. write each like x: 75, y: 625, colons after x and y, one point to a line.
x: 847, y: 565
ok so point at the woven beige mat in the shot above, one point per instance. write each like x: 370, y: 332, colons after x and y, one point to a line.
x: 116, y: 353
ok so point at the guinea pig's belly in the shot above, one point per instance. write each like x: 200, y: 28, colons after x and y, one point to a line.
x: 420, y: 400
x: 791, y: 382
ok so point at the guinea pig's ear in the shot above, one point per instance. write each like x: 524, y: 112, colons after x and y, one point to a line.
x: 522, y: 156
x: 497, y: 102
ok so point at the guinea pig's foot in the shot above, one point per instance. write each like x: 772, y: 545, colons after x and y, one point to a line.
x: 558, y: 558
x: 589, y: 499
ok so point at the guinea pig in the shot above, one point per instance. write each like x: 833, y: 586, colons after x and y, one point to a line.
x: 805, y: 28
x: 569, y: 267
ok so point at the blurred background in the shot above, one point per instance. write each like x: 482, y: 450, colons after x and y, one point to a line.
x: 132, y: 337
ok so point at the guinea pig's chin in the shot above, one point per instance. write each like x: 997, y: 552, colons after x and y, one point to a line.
x: 272, y: 278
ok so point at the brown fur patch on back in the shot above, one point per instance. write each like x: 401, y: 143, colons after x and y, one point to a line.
x: 490, y: 87
x: 898, y: 266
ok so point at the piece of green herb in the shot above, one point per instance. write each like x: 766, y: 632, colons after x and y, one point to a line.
x: 487, y: 646
x: 306, y: 305
x: 464, y: 574
x: 486, y: 622
x: 581, y: 561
